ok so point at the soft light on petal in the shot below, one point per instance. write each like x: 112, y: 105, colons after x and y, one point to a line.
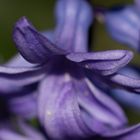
x: 73, y: 19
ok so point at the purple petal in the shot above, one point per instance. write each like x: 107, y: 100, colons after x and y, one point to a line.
x: 68, y: 111
x: 14, y: 78
x: 73, y: 19
x: 25, y: 106
x: 94, y: 124
x: 128, y: 32
x: 116, y: 81
x: 34, y: 47
x: 132, y: 133
x: 59, y: 111
x: 100, y: 106
x: 126, y: 82
x: 106, y: 62
x: 129, y: 99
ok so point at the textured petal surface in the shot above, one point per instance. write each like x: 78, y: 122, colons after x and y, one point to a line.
x: 76, y: 109
x: 34, y: 47
x: 58, y: 109
x: 73, y: 19
x: 106, y: 62
x: 19, y: 61
x: 124, y: 26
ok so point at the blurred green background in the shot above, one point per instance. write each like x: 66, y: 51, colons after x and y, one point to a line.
x: 39, y: 12
x: 41, y: 15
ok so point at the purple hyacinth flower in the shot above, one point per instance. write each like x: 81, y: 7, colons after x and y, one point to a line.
x: 69, y: 105
x: 123, y: 25
x: 69, y: 78
x: 16, y: 104
x: 60, y: 88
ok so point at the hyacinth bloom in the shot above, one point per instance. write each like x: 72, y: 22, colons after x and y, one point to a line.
x: 123, y: 25
x: 69, y: 104
x: 66, y: 88
x: 17, y: 103
x: 128, y: 98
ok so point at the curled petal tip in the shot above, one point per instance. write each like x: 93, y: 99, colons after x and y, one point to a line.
x: 32, y: 45
x: 22, y: 23
x: 130, y: 53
